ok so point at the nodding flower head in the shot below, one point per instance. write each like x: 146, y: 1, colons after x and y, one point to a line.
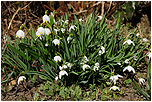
x: 96, y: 67
x: 56, y: 42
x: 85, y: 66
x: 40, y: 30
x: 145, y: 40
x: 47, y: 31
x: 55, y: 31
x: 68, y: 39
x: 141, y: 80
x: 62, y: 30
x: 72, y: 27
x: 129, y: 68
x: 57, y: 58
x: 21, y: 78
x: 115, y: 88
x: 62, y: 72
x: 129, y: 42
x: 115, y: 78
x: 46, y: 18
x: 20, y: 33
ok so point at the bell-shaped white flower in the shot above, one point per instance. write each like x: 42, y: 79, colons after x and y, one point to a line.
x: 100, y: 17
x: 63, y: 67
x: 21, y: 78
x: 55, y: 31
x: 119, y: 63
x: 62, y: 72
x: 129, y: 42
x: 66, y: 22
x: 137, y: 34
x: 46, y: 44
x: 46, y: 18
x: 57, y: 58
x: 103, y: 49
x: 40, y: 30
x: 84, y: 60
x: 72, y: 27
x: 96, y: 67
x: 129, y: 68
x: 69, y: 64
x: 38, y: 34
x: 115, y: 78
x: 68, y: 39
x: 127, y: 61
x: 56, y: 42
x: 20, y: 33
x: 141, y: 80
x: 62, y: 30
x: 135, y: 58
x: 81, y: 20
x: 85, y: 66
x: 56, y: 78
x: 60, y: 21
x: 115, y: 88
x: 149, y: 55
x: 47, y: 31
x: 145, y: 40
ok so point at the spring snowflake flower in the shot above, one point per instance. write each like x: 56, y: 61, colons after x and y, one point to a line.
x: 62, y: 72
x: 100, y: 17
x: 56, y: 78
x: 149, y: 55
x: 55, y: 31
x: 135, y: 58
x: 141, y: 80
x: 40, y: 30
x: 21, y: 78
x: 69, y: 64
x: 46, y: 18
x: 145, y: 40
x: 137, y: 34
x: 96, y: 67
x: 72, y: 27
x: 57, y: 58
x: 56, y: 42
x: 62, y: 30
x: 46, y: 44
x: 103, y: 49
x: 129, y: 42
x: 127, y: 61
x: 66, y: 22
x: 68, y: 39
x: 20, y: 33
x: 115, y: 88
x: 60, y: 21
x: 84, y: 60
x: 85, y: 66
x: 115, y: 78
x: 81, y: 20
x: 63, y: 67
x: 129, y: 68
x: 119, y: 63
x: 38, y: 34
x: 47, y: 31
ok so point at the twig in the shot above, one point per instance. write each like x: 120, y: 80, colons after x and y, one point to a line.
x: 109, y: 7
x: 13, y: 17
x: 102, y: 8
x: 26, y: 5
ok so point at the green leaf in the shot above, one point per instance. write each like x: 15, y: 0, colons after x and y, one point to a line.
x: 128, y: 81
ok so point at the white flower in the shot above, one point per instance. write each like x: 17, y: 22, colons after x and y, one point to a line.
x: 115, y: 78
x: 21, y: 78
x: 60, y: 21
x: 103, y: 49
x: 118, y: 63
x: 56, y: 78
x: 81, y: 20
x: 149, y: 55
x: 85, y: 66
x: 56, y: 42
x: 137, y: 34
x: 100, y: 52
x: 115, y: 88
x: 46, y: 18
x: 66, y: 22
x: 127, y: 61
x: 57, y: 58
x: 47, y: 31
x: 55, y: 31
x: 63, y: 30
x: 135, y: 58
x: 62, y: 72
x: 141, y: 80
x: 69, y: 64
x: 20, y: 33
x: 46, y: 44
x: 96, y: 66
x: 63, y: 67
x: 85, y: 59
x: 40, y: 30
x: 129, y: 42
x: 68, y: 39
x: 145, y: 40
x: 38, y: 34
x: 129, y: 68
x: 72, y: 27
x: 100, y: 17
